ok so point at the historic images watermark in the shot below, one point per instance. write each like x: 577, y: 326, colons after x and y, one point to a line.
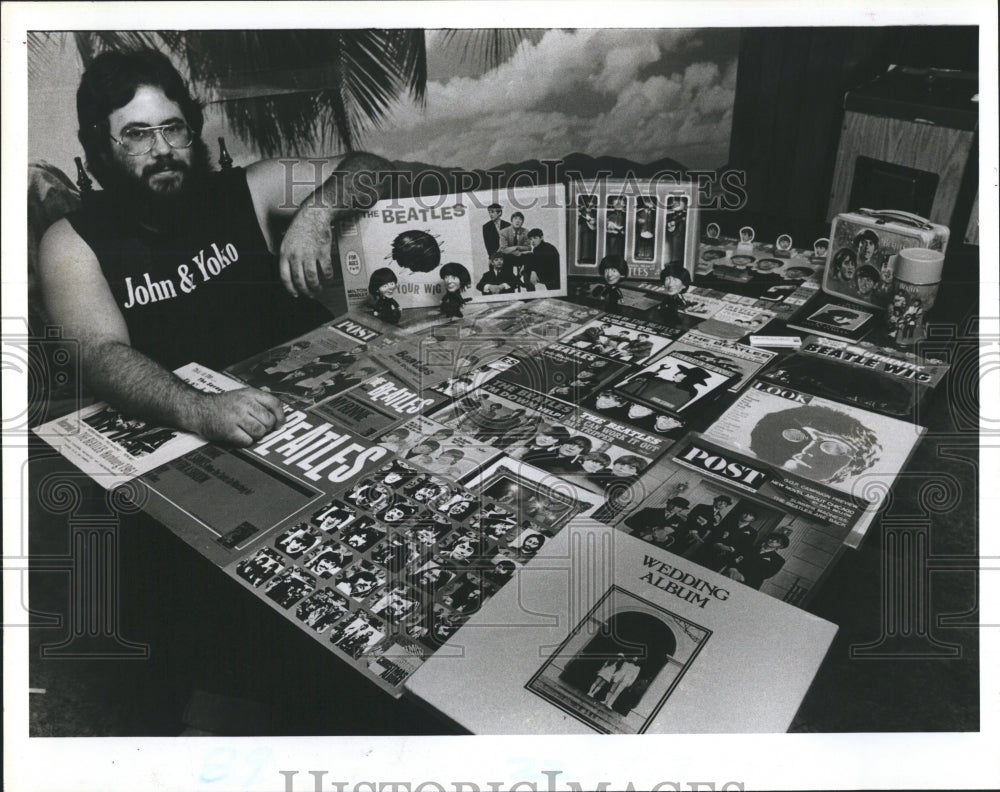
x: 432, y: 188
x: 318, y: 781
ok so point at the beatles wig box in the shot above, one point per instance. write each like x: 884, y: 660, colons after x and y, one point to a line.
x: 863, y: 252
x: 650, y: 223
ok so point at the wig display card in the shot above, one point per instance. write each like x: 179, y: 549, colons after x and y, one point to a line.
x: 415, y: 238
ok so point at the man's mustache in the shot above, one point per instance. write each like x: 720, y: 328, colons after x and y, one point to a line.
x: 163, y: 166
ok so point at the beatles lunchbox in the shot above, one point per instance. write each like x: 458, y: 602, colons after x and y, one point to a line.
x: 863, y: 247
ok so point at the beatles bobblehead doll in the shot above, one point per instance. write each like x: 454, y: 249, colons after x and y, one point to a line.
x: 613, y: 270
x: 675, y: 279
x: 456, y: 280
x: 381, y: 286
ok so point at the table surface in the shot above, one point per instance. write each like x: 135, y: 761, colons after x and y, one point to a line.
x: 891, y: 667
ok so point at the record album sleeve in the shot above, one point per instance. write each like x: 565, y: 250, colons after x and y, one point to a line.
x: 607, y: 635
x: 113, y: 448
x: 679, y: 382
x: 834, y: 318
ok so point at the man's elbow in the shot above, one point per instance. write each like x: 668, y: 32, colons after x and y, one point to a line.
x: 357, y: 161
x: 370, y: 176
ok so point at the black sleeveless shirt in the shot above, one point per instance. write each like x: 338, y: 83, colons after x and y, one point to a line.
x: 208, y: 292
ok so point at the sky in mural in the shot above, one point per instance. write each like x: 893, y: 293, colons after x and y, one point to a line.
x: 641, y: 94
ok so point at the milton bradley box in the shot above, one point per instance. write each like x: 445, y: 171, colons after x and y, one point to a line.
x: 413, y: 242
x: 863, y: 252
x: 649, y: 223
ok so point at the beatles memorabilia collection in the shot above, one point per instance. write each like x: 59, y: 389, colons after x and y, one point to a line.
x: 445, y: 473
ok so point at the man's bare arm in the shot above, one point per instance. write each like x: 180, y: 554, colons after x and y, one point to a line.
x: 314, y: 193
x: 80, y: 301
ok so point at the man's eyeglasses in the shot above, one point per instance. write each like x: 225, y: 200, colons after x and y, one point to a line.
x: 140, y: 140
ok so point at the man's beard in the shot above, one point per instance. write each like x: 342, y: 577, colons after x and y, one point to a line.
x: 154, y: 202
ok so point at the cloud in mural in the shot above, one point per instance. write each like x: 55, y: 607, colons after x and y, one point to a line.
x: 595, y: 91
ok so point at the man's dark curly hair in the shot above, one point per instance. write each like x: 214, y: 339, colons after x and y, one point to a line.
x: 110, y: 82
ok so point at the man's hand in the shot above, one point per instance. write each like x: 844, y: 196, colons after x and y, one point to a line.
x: 305, y: 262
x: 240, y: 417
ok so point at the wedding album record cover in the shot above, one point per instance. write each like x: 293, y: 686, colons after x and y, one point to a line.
x: 614, y: 636
x: 678, y: 382
x: 845, y: 448
x: 881, y: 379
x: 828, y: 316
x: 112, y: 448
x: 508, y: 246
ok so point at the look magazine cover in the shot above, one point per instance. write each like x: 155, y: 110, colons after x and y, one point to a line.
x: 851, y: 450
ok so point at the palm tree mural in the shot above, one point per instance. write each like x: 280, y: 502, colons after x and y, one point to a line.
x: 289, y: 91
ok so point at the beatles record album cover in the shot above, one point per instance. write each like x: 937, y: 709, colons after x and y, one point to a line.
x: 678, y: 382
x: 834, y: 318
x: 615, y: 636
